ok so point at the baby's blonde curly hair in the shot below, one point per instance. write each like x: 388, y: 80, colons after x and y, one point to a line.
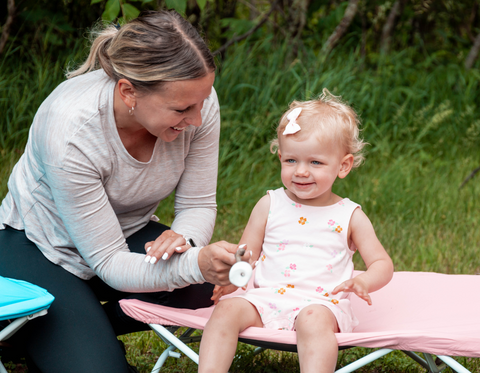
x: 329, y: 117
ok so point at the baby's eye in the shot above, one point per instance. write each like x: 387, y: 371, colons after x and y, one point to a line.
x: 316, y: 163
x: 290, y: 161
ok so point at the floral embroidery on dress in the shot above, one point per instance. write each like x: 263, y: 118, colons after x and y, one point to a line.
x: 281, y: 246
x: 287, y: 271
x: 311, y: 247
x: 273, y: 307
x: 334, y: 226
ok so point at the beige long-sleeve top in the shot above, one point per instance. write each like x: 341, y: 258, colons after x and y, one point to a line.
x: 78, y: 193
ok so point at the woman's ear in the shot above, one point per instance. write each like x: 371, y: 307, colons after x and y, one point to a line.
x: 127, y: 93
x: 345, y: 166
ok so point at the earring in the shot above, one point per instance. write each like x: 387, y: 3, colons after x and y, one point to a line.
x: 130, y: 111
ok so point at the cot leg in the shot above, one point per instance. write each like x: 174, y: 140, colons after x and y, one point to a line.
x: 456, y: 366
x: 171, y: 339
x: 428, y: 363
x: 162, y: 358
x: 417, y: 358
x: 2, y: 368
x: 12, y: 328
x: 432, y: 366
x: 16, y: 324
x: 364, y: 360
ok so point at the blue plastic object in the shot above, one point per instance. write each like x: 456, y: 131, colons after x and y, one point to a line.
x: 20, y: 298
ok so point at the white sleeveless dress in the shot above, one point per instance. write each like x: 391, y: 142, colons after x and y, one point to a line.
x: 305, y: 256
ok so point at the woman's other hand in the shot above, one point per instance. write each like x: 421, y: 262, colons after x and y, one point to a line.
x: 215, y: 261
x: 168, y: 243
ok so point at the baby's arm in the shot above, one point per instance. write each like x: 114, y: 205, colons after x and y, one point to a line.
x: 379, y: 265
x: 253, y: 237
x: 254, y: 232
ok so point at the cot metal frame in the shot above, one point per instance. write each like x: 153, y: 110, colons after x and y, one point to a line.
x: 180, y: 343
x: 14, y: 326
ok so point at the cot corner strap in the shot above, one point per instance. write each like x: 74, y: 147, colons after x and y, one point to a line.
x: 38, y: 314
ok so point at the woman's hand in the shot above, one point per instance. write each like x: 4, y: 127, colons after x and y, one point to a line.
x: 357, y: 286
x: 164, y: 246
x: 215, y: 261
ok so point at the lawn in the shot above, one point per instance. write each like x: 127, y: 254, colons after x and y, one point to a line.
x: 420, y: 117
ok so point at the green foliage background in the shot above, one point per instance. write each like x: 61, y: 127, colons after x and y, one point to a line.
x: 419, y: 108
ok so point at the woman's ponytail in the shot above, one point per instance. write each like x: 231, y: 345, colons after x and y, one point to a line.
x: 154, y: 48
x: 98, y: 56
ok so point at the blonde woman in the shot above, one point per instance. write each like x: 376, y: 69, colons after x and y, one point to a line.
x: 137, y: 121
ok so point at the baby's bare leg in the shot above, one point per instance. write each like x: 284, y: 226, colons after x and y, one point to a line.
x: 220, y: 337
x: 316, y: 343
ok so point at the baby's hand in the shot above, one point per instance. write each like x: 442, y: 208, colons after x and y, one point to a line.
x: 357, y: 286
x: 220, y: 291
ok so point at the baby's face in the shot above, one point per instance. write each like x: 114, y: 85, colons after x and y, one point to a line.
x: 309, y: 168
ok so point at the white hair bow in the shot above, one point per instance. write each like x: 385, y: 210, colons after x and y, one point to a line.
x: 292, y: 126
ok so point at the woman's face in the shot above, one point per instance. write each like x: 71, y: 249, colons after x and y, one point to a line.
x: 170, y: 110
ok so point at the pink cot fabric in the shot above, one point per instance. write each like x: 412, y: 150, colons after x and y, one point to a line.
x: 416, y: 311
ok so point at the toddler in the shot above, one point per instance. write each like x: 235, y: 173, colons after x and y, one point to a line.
x: 304, y: 237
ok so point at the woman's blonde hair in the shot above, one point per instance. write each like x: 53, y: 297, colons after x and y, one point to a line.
x: 329, y: 117
x: 156, y: 47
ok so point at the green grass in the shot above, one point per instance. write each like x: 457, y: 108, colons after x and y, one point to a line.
x: 420, y: 117
x: 145, y: 347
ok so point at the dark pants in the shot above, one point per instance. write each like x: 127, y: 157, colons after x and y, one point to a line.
x: 79, y: 334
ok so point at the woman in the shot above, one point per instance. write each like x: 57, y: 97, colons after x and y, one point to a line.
x: 104, y: 149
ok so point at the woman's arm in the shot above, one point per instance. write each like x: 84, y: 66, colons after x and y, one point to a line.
x: 379, y: 265
x: 94, y: 229
x: 195, y: 194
